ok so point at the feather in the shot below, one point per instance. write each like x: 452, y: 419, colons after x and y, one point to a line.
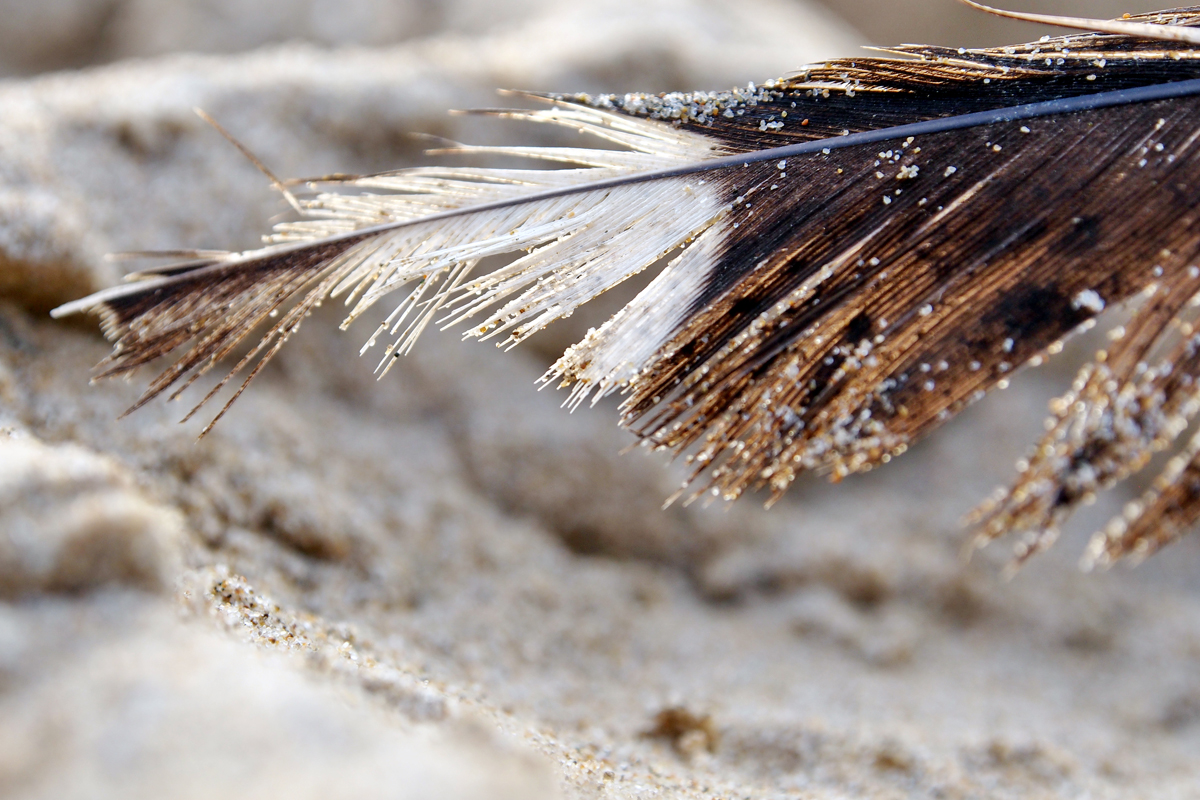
x: 856, y: 253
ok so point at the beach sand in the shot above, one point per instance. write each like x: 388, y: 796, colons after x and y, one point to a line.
x: 442, y: 584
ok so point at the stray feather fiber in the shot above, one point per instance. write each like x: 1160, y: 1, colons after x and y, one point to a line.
x: 857, y: 252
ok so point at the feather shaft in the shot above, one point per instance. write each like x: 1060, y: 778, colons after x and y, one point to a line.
x: 1141, y: 94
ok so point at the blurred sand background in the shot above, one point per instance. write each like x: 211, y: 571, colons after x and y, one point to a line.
x: 443, y: 585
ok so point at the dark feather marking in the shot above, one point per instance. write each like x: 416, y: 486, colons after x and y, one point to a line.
x: 943, y: 82
x: 1008, y: 261
x: 1131, y: 399
x: 205, y: 305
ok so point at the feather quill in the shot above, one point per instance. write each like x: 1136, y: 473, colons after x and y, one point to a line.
x: 857, y: 252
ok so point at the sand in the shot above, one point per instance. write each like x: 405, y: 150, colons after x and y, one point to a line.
x: 443, y: 585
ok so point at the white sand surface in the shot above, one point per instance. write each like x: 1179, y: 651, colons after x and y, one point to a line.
x: 443, y: 585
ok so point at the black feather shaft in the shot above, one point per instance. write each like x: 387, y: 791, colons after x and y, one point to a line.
x: 1065, y: 105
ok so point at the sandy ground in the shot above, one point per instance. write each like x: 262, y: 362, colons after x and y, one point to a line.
x: 443, y: 585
